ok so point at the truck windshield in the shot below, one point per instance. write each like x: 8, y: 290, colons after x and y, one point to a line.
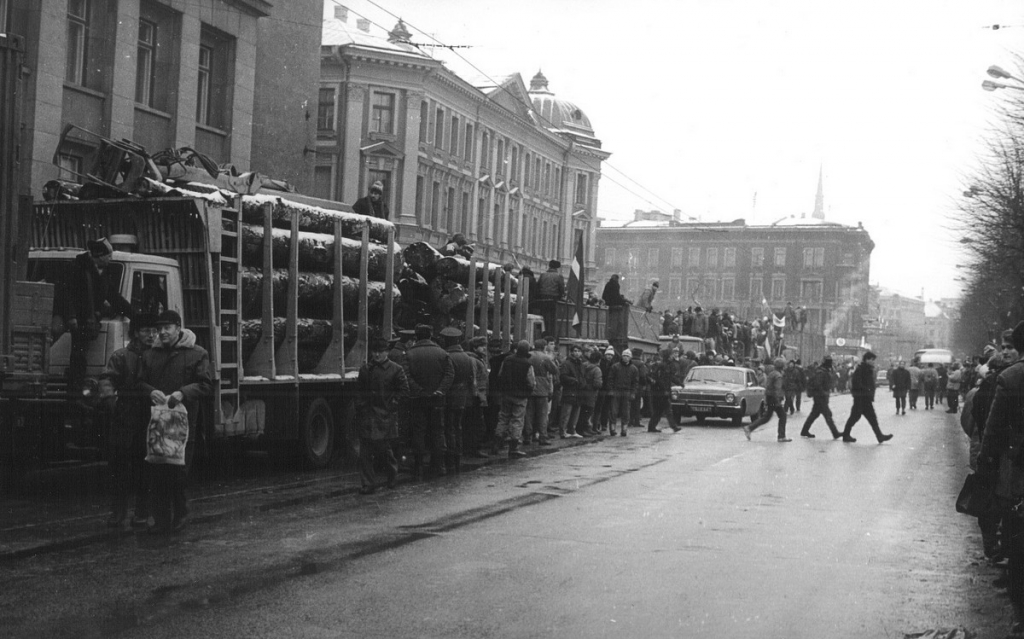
x: 59, y: 273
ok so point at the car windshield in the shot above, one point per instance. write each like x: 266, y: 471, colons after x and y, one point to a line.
x: 715, y: 376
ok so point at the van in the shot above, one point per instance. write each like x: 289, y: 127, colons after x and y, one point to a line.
x: 686, y: 342
x: 933, y: 356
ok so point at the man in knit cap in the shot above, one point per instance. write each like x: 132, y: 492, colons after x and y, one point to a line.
x: 373, y: 204
x: 774, y: 398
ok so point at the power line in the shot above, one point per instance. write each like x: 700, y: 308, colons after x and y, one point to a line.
x: 539, y: 116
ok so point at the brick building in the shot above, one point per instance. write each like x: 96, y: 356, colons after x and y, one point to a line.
x: 809, y: 262
x: 515, y: 169
x: 204, y: 74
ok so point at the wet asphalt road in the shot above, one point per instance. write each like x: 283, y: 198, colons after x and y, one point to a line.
x: 700, y: 534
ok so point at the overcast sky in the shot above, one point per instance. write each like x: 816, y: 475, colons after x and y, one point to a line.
x: 705, y: 103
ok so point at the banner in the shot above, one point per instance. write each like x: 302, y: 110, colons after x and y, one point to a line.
x: 575, y: 289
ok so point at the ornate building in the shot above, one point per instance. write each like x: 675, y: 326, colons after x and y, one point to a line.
x: 514, y: 169
x: 807, y: 262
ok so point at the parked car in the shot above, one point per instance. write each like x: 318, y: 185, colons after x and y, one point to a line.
x: 726, y: 392
x: 881, y: 378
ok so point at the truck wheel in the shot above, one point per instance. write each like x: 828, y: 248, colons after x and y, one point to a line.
x: 737, y: 419
x: 316, y: 439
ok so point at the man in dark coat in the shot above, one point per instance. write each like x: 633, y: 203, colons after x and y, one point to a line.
x: 373, y: 204
x: 774, y: 398
x: 642, y: 399
x: 573, y: 379
x: 381, y: 388
x: 819, y: 388
x: 515, y: 384
x: 459, y: 398
x: 431, y: 373
x: 623, y: 382
x: 550, y: 289
x: 175, y: 371
x: 126, y: 442
x: 663, y: 377
x: 899, y: 384
x: 863, y: 390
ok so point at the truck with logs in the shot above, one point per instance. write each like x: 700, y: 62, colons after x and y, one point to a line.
x: 284, y: 292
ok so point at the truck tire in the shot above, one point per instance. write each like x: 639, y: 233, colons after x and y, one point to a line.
x: 316, y: 438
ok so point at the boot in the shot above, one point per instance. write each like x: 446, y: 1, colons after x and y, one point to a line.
x: 513, y: 450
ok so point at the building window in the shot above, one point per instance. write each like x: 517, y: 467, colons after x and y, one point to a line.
x: 814, y: 257
x: 70, y: 168
x: 382, y: 116
x: 713, y: 257
x: 419, y: 199
x: 581, y: 189
x: 449, y: 210
x: 78, y: 35
x: 547, y: 178
x: 756, y: 289
x: 709, y: 288
x: 453, y: 145
x: 810, y: 291
x: 677, y: 257
x: 729, y: 258
x: 537, y: 177
x: 694, y: 256
x: 205, y: 79
x: 692, y: 287
x: 778, y: 288
x: 675, y: 287
x: 653, y: 258
x: 323, y: 176
x: 466, y: 213
x: 485, y: 152
x: 145, y: 63
x: 757, y: 257
x: 610, y: 256
x: 216, y: 62
x: 499, y: 166
x: 325, y: 111
x: 435, y: 205
x: 558, y: 182
x: 439, y: 128
x: 469, y: 143
x: 527, y: 167
x: 424, y: 121
x: 728, y: 288
x: 780, y: 256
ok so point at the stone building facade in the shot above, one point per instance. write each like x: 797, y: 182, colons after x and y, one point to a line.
x: 170, y: 74
x: 515, y: 169
x: 806, y: 262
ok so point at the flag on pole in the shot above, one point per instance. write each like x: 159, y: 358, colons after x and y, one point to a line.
x: 575, y: 295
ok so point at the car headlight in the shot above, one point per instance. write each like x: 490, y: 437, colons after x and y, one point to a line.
x: 730, y: 398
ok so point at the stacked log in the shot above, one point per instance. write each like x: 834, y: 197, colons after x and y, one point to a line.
x: 316, y: 252
x: 316, y: 294
x: 457, y: 268
x: 312, y: 218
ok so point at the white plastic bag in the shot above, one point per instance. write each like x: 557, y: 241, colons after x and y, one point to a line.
x: 167, y: 435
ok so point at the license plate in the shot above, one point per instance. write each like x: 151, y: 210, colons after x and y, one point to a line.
x: 700, y: 409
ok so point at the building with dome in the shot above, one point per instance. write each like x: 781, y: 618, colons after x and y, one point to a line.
x: 514, y: 168
x: 804, y: 261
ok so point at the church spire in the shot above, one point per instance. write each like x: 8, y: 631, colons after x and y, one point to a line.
x: 819, y: 199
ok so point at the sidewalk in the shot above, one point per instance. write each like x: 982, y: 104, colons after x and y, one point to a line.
x: 69, y: 508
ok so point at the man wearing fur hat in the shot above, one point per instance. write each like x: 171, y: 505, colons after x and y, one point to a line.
x: 774, y: 402
x: 623, y: 384
x: 373, y: 204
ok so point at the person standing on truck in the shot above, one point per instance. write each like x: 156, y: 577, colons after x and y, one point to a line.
x: 459, y: 398
x: 126, y: 443
x: 175, y: 371
x: 431, y: 373
x: 381, y: 388
x: 550, y: 290
x: 373, y: 204
x: 646, y: 301
x: 90, y: 295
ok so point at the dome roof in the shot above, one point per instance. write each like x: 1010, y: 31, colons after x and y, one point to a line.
x: 555, y: 113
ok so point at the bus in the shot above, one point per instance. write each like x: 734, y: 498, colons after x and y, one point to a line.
x: 933, y: 356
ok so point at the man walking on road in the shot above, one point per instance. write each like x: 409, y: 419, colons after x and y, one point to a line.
x: 862, y: 387
x: 516, y: 381
x: 382, y: 386
x: 899, y: 382
x: 774, y: 402
x: 819, y: 388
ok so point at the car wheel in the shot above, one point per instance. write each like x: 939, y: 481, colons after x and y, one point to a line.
x: 700, y: 419
x: 760, y: 411
x: 737, y: 419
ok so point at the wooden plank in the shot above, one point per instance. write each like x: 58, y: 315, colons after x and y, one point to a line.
x: 288, y: 352
x: 333, y: 359
x: 261, y: 361
x: 389, y: 288
x: 506, y: 307
x: 485, y: 293
x: 471, y: 301
x: 524, y: 292
x: 357, y: 356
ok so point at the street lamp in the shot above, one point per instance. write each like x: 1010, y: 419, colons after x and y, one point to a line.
x: 1001, y: 74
